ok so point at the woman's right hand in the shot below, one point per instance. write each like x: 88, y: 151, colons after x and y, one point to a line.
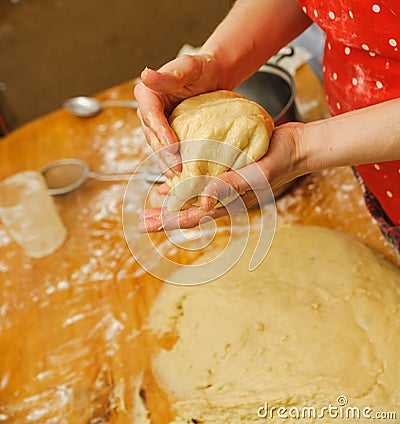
x: 160, y: 91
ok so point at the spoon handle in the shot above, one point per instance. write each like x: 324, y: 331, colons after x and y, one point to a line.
x: 120, y: 103
x: 110, y: 177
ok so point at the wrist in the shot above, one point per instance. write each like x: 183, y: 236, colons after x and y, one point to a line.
x: 233, y: 65
x: 316, y: 148
x: 214, y: 70
x: 219, y: 66
x: 302, y: 158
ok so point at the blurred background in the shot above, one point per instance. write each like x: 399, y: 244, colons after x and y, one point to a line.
x: 54, y: 49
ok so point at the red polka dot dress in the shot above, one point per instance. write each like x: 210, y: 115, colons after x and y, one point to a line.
x: 361, y: 67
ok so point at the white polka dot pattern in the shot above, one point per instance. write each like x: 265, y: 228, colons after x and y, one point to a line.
x: 362, y: 67
x: 376, y: 8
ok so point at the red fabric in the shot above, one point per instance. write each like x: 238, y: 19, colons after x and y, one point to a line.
x: 361, y: 68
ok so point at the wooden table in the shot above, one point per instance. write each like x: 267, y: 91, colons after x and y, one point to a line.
x: 71, y: 344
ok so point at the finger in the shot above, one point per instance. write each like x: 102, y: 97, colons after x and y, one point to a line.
x: 151, y: 138
x: 163, y: 189
x: 249, y: 199
x: 231, y: 184
x: 154, y: 220
x: 170, y: 159
x: 187, y: 218
x: 150, y: 213
x: 167, y: 162
x: 176, y: 74
x: 222, y: 189
x: 157, y: 219
x: 151, y: 113
x: 163, y: 81
x: 150, y: 221
x: 165, y: 169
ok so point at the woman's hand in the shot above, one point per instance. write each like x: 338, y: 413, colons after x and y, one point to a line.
x: 283, y: 162
x: 367, y: 135
x: 160, y: 91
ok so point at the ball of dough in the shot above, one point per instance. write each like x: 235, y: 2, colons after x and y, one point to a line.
x: 219, y: 116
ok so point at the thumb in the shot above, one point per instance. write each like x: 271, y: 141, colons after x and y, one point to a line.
x: 175, y: 74
x: 229, y: 185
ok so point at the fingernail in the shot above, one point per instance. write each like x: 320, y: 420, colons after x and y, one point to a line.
x: 145, y: 70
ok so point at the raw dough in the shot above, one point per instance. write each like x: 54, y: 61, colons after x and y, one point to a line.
x: 222, y: 116
x: 318, y: 319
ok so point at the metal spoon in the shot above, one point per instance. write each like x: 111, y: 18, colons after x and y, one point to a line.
x: 89, y: 106
x: 66, y: 175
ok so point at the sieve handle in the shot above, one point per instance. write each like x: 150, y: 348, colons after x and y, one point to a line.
x: 110, y: 177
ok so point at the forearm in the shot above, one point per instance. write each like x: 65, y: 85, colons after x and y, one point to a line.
x: 252, y: 32
x: 368, y: 135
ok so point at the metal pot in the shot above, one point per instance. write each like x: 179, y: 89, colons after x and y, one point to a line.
x: 274, y: 89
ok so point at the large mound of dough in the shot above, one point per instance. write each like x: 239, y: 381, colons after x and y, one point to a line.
x: 320, y: 318
x: 221, y: 116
